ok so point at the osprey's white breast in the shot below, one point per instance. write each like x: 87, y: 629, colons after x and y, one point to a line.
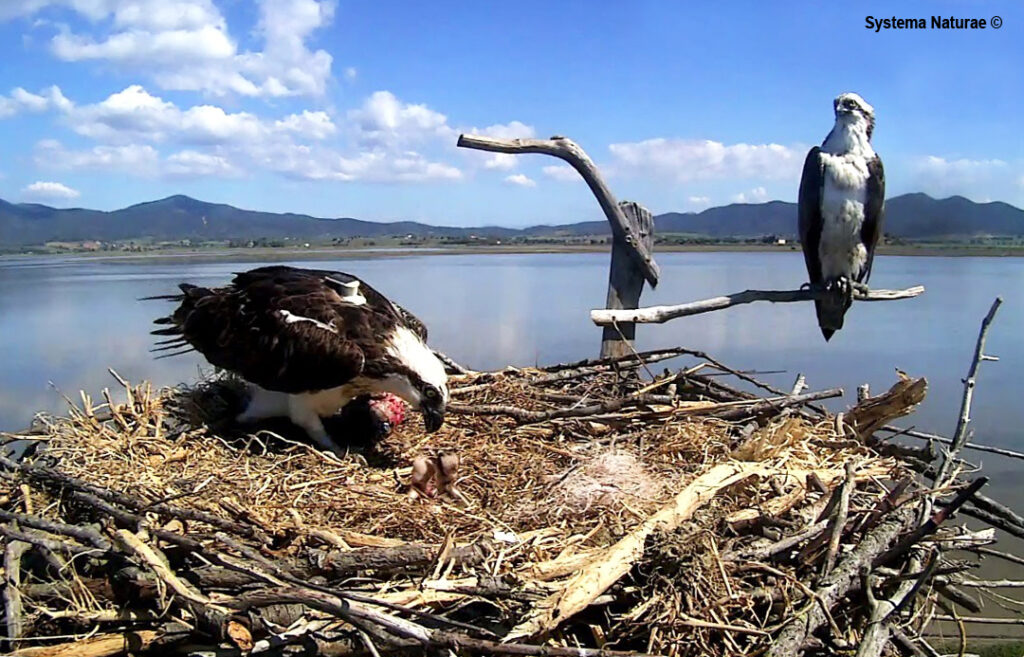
x: 845, y: 156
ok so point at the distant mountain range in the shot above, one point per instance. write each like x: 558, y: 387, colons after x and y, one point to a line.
x: 911, y: 216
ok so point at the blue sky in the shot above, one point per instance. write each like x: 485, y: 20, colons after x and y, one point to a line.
x: 338, y: 108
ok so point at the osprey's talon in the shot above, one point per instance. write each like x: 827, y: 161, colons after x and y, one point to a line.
x: 861, y: 288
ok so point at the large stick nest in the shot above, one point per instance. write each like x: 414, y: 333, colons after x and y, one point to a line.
x: 682, y: 518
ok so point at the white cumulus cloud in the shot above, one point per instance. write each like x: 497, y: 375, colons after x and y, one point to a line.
x: 680, y: 160
x: 46, y: 190
x: 307, y: 163
x: 21, y: 100
x: 521, y: 179
x: 699, y: 200
x: 561, y: 172
x: 134, y: 114
x: 384, y: 120
x: 974, y: 178
x: 510, y: 130
x: 190, y: 163
x: 186, y: 45
x: 756, y: 195
x: 136, y: 159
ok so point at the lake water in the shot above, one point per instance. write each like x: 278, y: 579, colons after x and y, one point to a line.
x: 63, y: 322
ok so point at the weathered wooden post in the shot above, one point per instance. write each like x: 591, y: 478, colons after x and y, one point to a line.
x: 626, y: 280
x: 632, y: 227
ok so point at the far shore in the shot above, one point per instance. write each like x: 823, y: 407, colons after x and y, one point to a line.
x: 330, y: 253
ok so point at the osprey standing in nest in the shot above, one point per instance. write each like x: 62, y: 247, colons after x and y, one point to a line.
x: 841, y: 205
x: 307, y: 342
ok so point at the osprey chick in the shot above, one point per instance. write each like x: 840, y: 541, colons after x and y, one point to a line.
x: 307, y: 342
x: 841, y: 208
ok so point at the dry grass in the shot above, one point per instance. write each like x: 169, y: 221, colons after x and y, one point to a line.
x: 549, y: 492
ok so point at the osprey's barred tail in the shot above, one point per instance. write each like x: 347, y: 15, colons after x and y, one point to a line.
x: 190, y: 294
x: 831, y: 311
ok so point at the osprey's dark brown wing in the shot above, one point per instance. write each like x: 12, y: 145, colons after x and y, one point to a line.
x: 874, y: 215
x: 376, y: 302
x: 809, y: 209
x: 284, y: 329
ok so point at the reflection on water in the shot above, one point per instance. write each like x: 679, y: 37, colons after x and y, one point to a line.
x: 66, y: 321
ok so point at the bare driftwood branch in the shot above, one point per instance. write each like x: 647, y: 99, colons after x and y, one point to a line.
x: 108, y: 645
x: 1012, y: 558
x: 976, y: 619
x: 732, y: 410
x: 876, y: 634
x: 13, y: 610
x: 899, y: 400
x: 661, y: 314
x: 839, y: 520
x: 451, y: 364
x: 840, y: 581
x: 566, y: 149
x: 773, y: 406
x: 932, y: 523
x: 960, y: 436
x: 948, y: 441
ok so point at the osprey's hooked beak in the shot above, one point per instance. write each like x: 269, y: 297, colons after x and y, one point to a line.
x: 433, y: 414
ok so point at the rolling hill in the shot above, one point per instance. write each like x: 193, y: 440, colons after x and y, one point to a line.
x: 911, y: 216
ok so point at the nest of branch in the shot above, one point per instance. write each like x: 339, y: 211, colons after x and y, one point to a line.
x: 591, y: 509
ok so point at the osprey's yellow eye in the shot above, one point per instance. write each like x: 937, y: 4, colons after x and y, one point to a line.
x: 431, y: 393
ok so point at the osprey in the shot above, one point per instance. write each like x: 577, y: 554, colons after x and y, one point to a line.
x: 307, y: 342
x: 841, y: 207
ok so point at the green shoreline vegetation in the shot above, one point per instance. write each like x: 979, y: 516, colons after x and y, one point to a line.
x: 403, y: 246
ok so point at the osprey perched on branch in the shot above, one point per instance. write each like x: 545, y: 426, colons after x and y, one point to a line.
x: 307, y: 342
x: 841, y: 206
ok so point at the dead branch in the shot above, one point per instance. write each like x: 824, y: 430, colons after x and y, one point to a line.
x: 839, y: 520
x: 1005, y: 556
x: 662, y: 314
x: 960, y: 436
x: 566, y: 149
x: 976, y: 619
x: 774, y: 406
x: 901, y: 399
x: 932, y: 524
x: 13, y: 610
x: 840, y: 581
x: 948, y: 441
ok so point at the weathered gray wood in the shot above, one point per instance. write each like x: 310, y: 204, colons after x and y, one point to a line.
x: 844, y: 578
x: 626, y: 280
x: 922, y: 435
x: 661, y: 314
x: 566, y: 149
x: 960, y: 436
x: 13, y: 611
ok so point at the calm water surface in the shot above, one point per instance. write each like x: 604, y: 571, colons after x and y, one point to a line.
x: 63, y: 322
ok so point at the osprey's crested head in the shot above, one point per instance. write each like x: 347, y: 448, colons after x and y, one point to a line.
x: 419, y: 377
x: 851, y: 108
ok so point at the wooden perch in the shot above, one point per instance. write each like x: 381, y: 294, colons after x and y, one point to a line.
x: 566, y: 149
x: 662, y: 314
x: 625, y: 281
